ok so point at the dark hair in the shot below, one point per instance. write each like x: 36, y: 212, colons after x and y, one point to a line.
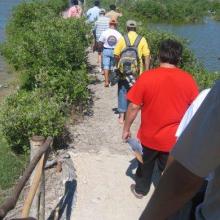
x: 170, y: 51
x: 96, y: 3
x: 112, y: 7
x: 131, y: 29
x: 75, y: 2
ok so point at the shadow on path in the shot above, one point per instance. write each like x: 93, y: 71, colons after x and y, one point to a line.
x: 130, y: 172
x: 63, y: 209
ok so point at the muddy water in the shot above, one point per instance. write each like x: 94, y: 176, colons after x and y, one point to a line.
x: 6, y: 77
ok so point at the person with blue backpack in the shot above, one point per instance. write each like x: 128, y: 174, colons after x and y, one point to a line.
x: 132, y: 56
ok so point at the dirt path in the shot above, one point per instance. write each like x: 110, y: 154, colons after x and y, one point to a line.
x: 104, y: 165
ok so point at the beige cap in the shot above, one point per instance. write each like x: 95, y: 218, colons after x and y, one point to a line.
x: 102, y: 11
x: 131, y: 23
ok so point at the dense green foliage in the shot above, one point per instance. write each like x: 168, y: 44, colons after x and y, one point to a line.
x: 53, y: 46
x: 11, y: 166
x: 29, y: 113
x: 215, y: 9
x: 186, y: 11
x: 49, y: 52
x: 167, y: 11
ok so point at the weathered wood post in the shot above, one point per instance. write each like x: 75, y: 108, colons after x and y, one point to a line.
x: 11, y: 201
x: 36, y: 142
x: 32, y: 203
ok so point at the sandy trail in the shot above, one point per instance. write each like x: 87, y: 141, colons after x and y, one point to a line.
x: 104, y: 165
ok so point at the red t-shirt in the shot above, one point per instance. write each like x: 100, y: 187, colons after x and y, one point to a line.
x: 165, y: 94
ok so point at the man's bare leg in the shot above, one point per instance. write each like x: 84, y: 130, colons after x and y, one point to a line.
x: 106, y: 75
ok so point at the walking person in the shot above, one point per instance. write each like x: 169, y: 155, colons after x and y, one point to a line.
x: 93, y: 13
x: 196, y: 155
x: 113, y: 13
x: 140, y: 61
x: 101, y: 25
x: 162, y: 95
x: 107, y: 42
x: 75, y: 10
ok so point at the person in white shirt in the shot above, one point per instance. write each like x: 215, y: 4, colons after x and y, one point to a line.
x: 107, y: 43
x: 93, y: 13
x: 191, y: 111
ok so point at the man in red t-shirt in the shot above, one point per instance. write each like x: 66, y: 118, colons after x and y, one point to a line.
x: 163, y: 95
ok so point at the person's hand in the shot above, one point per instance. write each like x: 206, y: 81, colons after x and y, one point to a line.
x: 126, y: 135
x: 114, y: 68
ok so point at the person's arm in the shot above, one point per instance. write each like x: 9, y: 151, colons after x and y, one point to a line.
x: 146, y: 61
x: 130, y: 116
x: 69, y: 12
x: 176, y: 187
x: 146, y: 54
x: 80, y: 11
x: 100, y: 46
x: 117, y: 58
x: 117, y: 51
x: 169, y: 161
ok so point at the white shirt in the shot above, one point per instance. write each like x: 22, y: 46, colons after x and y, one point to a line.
x: 93, y: 13
x: 198, y: 151
x: 191, y: 111
x: 109, y: 38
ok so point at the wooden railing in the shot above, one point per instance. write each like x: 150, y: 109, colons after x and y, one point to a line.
x: 35, y: 170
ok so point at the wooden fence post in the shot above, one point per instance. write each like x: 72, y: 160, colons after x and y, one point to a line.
x: 10, y: 202
x: 32, y: 203
x: 36, y: 142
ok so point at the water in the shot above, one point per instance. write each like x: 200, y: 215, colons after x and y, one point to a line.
x: 5, y: 11
x: 5, y: 76
x: 204, y: 40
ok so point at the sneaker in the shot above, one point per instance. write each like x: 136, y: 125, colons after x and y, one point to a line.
x: 137, y: 195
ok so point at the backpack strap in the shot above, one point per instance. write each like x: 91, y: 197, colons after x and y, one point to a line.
x: 137, y: 41
x: 127, y: 41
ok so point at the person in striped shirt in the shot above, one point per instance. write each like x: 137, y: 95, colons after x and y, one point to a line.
x: 101, y: 25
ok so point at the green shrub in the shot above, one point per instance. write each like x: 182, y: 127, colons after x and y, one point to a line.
x: 171, y: 11
x: 11, y: 166
x: 50, y: 54
x: 59, y: 43
x: 25, y: 13
x: 215, y: 9
x: 29, y: 113
x: 66, y: 85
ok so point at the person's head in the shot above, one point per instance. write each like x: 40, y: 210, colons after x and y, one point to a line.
x: 131, y: 25
x: 102, y: 12
x: 75, y: 2
x: 112, y: 7
x: 113, y: 23
x: 97, y: 3
x: 170, y: 51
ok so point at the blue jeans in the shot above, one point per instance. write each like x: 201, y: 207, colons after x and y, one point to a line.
x: 123, y: 88
x: 108, y: 60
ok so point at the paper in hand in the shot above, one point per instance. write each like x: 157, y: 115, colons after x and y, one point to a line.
x: 135, y: 145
